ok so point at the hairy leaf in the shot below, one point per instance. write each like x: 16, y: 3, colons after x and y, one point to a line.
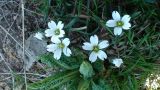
x: 54, y: 81
x: 86, y: 69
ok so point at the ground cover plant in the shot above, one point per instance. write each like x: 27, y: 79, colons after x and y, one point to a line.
x: 131, y: 54
x: 88, y: 45
x: 105, y: 53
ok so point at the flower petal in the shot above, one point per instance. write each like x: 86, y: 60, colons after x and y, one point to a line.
x: 103, y: 44
x: 126, y: 26
x: 87, y: 46
x: 116, y: 16
x: 117, y: 62
x: 55, y: 39
x: 49, y: 32
x: 51, y: 47
x: 52, y: 25
x: 111, y: 23
x: 126, y: 18
x: 94, y: 40
x: 67, y: 51
x: 39, y: 36
x: 117, y: 30
x: 66, y: 41
x: 102, y: 55
x: 57, y: 54
x: 61, y: 33
x: 93, y: 57
x: 60, y: 25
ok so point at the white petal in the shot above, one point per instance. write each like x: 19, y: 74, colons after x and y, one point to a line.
x: 116, y: 16
x: 51, y: 47
x: 57, y: 54
x: 66, y: 41
x: 94, y: 40
x: 52, y: 25
x: 117, y: 62
x: 60, y: 25
x: 49, y: 32
x: 117, y: 30
x: 103, y: 44
x: 61, y: 33
x: 67, y: 51
x: 87, y: 46
x: 111, y: 23
x: 126, y: 18
x: 126, y: 25
x: 55, y: 39
x: 93, y: 57
x: 39, y: 36
x: 102, y: 55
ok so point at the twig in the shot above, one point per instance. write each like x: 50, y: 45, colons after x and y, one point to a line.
x: 81, y: 28
x: 22, y: 6
x: 33, y: 12
x: 6, y: 78
x: 35, y: 74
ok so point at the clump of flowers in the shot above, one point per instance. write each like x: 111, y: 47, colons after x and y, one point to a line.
x: 153, y: 82
x: 59, y: 44
x: 92, y: 66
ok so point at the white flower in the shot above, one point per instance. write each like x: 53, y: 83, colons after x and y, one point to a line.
x: 58, y: 47
x: 39, y: 36
x: 117, y: 62
x: 55, y: 31
x: 119, y: 23
x: 96, y: 48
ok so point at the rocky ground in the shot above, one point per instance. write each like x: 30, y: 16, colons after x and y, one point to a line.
x: 11, y: 45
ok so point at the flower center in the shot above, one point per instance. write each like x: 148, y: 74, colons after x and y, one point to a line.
x: 61, y: 45
x: 95, y: 48
x: 57, y: 32
x: 119, y: 23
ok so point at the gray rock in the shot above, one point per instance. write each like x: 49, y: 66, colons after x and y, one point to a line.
x: 34, y: 48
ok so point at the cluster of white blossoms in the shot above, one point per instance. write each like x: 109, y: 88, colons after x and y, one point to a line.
x: 60, y: 44
x: 153, y: 82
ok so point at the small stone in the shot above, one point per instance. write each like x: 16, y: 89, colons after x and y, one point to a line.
x: 34, y: 48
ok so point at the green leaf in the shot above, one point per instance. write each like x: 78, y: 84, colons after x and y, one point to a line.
x: 98, y: 66
x: 73, y: 85
x: 68, y: 63
x: 84, y: 85
x: 54, y: 81
x: 86, y: 69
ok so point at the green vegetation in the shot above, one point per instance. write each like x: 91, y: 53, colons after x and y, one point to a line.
x: 139, y: 47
